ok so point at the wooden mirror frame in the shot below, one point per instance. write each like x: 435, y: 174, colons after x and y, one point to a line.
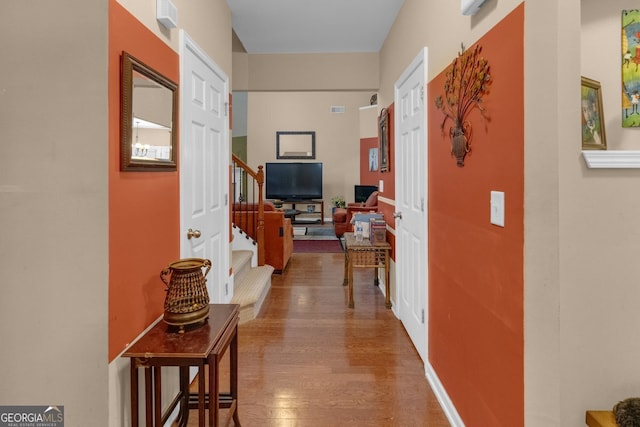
x: 305, y: 143
x: 129, y: 65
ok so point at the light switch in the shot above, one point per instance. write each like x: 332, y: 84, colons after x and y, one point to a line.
x: 497, y: 208
x: 381, y: 186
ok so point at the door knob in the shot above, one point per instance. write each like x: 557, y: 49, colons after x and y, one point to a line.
x: 193, y: 233
x: 397, y: 215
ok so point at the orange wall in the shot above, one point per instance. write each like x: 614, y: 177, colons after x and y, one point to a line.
x: 373, y: 177
x: 144, y: 209
x: 476, y: 337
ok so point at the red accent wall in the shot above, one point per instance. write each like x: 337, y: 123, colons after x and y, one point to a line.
x: 476, y: 285
x: 144, y: 207
x: 368, y: 177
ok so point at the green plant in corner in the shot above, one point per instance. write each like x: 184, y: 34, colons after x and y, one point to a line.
x: 338, y: 202
x: 466, y: 82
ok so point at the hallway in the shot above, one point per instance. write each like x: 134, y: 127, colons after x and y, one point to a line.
x: 308, y: 360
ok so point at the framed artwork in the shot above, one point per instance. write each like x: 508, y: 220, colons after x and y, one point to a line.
x: 373, y: 159
x: 593, y: 134
x: 383, y: 131
x: 630, y: 63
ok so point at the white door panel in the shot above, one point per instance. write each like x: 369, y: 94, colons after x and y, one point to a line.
x: 204, y: 155
x: 411, y: 201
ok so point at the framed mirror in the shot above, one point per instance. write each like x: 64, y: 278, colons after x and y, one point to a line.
x: 148, y: 118
x: 383, y: 131
x: 295, y: 145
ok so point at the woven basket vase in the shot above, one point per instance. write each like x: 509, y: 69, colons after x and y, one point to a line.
x: 187, y: 300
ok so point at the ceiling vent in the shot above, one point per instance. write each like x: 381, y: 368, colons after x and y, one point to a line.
x: 166, y: 13
x: 337, y: 109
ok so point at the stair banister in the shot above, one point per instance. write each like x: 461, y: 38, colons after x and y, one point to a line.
x: 258, y: 179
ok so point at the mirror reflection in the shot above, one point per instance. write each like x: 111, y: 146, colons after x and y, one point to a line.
x: 295, y: 145
x: 149, y: 111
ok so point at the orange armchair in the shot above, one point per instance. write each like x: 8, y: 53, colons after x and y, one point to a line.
x: 342, y: 216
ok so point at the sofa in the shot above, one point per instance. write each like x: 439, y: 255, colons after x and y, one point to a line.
x: 278, y: 231
x: 342, y: 216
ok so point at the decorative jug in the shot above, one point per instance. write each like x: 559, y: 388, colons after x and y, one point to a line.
x: 187, y: 300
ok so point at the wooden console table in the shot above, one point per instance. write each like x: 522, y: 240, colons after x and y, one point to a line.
x: 204, y: 345
x: 365, y: 255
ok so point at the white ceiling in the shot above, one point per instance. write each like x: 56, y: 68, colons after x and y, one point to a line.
x: 313, y: 26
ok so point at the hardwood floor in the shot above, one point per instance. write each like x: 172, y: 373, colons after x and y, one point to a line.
x: 308, y: 360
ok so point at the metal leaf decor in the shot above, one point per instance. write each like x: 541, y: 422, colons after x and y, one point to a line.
x: 467, y: 81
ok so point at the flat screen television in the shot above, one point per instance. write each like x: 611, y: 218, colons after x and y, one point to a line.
x: 293, y: 181
x: 362, y: 192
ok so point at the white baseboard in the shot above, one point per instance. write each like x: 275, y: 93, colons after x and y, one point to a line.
x: 443, y: 398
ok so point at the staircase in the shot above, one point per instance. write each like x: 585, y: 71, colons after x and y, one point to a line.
x: 252, y: 277
x: 251, y: 284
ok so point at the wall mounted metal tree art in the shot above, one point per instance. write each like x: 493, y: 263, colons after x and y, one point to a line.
x: 467, y: 81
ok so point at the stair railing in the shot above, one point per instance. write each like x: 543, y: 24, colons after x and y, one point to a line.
x: 247, y: 186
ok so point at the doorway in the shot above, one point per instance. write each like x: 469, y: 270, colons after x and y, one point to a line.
x: 412, y: 201
x: 204, y: 166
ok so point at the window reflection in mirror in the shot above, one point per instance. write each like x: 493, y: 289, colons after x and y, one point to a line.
x: 149, y: 114
x: 151, y: 119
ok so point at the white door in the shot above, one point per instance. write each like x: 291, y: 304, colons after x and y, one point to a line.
x: 204, y: 165
x: 411, y: 201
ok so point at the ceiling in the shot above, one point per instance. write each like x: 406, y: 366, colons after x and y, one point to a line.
x: 313, y: 26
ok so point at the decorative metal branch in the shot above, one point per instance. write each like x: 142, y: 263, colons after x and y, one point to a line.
x: 467, y: 81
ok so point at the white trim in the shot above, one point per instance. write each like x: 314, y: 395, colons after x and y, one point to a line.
x: 616, y: 159
x: 443, y: 398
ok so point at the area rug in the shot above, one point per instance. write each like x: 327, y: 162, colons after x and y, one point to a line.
x: 320, y: 231
x: 317, y: 246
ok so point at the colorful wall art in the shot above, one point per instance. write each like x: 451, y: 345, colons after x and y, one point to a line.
x: 630, y: 68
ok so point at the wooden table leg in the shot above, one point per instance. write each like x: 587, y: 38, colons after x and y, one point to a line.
x: 351, y: 303
x: 183, y: 414
x: 134, y: 393
x: 345, y: 280
x: 233, y: 357
x: 148, y: 392
x: 214, y: 389
x: 157, y: 395
x: 201, y: 394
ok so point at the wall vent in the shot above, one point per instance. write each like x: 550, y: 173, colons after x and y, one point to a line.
x: 337, y: 109
x: 167, y: 13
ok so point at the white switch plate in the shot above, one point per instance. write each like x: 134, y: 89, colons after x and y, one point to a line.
x: 381, y: 186
x: 497, y: 208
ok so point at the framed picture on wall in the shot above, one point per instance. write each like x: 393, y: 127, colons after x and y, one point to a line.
x: 373, y: 159
x: 383, y: 131
x: 593, y: 133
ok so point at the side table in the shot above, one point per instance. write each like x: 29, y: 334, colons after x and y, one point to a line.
x: 204, y: 345
x: 363, y: 254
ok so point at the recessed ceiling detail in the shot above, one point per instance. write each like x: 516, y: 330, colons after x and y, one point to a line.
x: 313, y: 26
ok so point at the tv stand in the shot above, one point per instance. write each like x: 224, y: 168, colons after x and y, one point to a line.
x: 305, y: 211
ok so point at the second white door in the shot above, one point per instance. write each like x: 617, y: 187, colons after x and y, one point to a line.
x: 411, y: 201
